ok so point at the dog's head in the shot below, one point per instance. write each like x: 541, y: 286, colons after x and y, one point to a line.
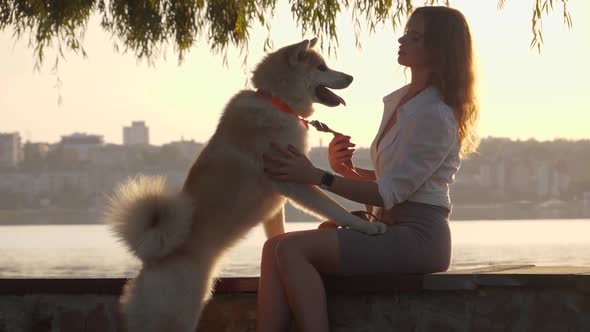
x: 299, y: 76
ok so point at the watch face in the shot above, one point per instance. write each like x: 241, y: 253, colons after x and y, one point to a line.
x: 326, y: 180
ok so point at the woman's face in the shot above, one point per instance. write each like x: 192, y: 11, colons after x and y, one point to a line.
x: 412, y: 52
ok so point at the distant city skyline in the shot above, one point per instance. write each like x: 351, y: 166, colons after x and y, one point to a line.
x: 137, y: 132
x: 322, y: 141
x: 523, y: 94
x: 508, y: 180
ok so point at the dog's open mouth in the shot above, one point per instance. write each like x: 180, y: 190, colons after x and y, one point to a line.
x: 327, y: 97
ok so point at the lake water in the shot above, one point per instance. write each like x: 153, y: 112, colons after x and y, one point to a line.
x: 91, y: 251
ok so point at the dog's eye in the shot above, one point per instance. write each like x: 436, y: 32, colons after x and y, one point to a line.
x: 322, y: 67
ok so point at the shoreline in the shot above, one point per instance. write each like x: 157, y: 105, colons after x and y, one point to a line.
x: 467, y: 213
x: 77, y: 223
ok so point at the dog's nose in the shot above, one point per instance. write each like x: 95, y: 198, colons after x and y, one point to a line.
x: 349, y: 79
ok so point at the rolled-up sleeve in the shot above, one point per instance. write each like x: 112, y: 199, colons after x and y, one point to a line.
x: 424, y: 141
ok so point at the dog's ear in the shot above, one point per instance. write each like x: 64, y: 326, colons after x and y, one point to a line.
x: 313, y: 42
x: 297, y: 52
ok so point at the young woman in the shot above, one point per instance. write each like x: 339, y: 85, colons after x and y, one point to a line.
x: 427, y: 127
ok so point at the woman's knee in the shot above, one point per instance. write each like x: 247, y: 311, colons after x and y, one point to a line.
x: 295, y: 248
x: 286, y: 253
x: 270, y: 246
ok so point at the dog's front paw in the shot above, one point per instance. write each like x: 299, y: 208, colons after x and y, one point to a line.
x: 376, y: 228
x: 381, y: 227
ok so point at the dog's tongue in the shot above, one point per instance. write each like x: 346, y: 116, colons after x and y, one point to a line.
x: 328, y: 97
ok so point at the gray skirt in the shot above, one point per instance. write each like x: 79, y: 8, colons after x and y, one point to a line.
x: 418, y: 242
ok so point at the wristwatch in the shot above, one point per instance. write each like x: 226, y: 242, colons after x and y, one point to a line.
x: 327, y: 180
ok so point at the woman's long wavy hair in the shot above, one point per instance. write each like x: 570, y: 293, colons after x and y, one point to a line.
x: 447, y: 40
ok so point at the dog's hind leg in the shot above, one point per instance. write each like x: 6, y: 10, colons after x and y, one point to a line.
x: 166, y: 296
x: 312, y: 199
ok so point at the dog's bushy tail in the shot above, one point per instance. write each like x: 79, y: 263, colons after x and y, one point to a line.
x: 151, y: 221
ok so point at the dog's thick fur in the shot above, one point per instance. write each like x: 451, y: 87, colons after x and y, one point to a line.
x: 180, y: 236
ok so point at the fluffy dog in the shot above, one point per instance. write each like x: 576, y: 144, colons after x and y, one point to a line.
x: 180, y: 236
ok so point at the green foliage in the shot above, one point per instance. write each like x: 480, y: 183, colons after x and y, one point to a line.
x: 541, y: 8
x: 146, y: 27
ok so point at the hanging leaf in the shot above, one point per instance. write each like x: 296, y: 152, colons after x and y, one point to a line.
x: 146, y: 27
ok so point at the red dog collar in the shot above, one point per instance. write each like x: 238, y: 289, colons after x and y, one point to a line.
x: 281, y: 105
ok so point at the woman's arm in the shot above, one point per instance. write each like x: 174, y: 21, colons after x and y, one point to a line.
x: 291, y: 165
x: 358, y: 173
x: 357, y: 189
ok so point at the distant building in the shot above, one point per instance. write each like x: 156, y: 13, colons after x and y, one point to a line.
x: 35, y: 151
x: 10, y: 149
x: 543, y: 176
x: 81, y: 147
x: 561, y: 179
x: 485, y: 175
x: 188, y: 149
x: 137, y: 134
x: 492, y: 175
x: 520, y: 177
x: 501, y: 176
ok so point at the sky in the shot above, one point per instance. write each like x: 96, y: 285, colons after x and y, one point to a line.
x: 524, y: 94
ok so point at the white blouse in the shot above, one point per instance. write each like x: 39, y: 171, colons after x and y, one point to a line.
x: 418, y: 157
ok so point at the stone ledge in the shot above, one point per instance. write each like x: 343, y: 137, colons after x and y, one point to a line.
x: 522, y: 298
x: 106, y: 286
x: 572, y: 277
x: 230, y: 285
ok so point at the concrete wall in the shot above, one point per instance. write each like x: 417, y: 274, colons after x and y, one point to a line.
x: 500, y: 298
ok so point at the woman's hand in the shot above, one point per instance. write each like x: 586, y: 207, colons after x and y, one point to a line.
x: 288, y: 164
x: 340, y: 152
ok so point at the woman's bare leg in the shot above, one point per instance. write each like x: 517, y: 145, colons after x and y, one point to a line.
x: 272, y: 312
x: 300, y: 258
